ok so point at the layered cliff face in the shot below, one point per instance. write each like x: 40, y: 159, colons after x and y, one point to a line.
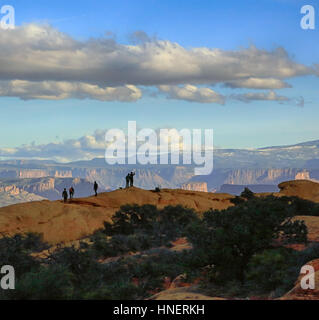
x: 195, y: 186
x: 150, y: 176
x: 12, y: 190
x: 251, y: 176
x: 113, y: 177
x: 42, y: 188
x: 34, y: 173
x: 12, y: 194
x: 8, y: 198
x: 263, y: 176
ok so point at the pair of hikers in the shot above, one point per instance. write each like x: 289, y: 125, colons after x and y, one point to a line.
x: 71, y: 192
x: 130, y: 179
x: 65, y: 194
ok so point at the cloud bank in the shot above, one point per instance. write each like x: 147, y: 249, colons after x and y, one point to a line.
x: 41, y: 62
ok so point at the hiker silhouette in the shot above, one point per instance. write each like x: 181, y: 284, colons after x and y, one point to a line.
x: 127, y: 179
x: 96, y: 186
x: 71, y: 192
x: 131, y: 176
x: 65, y: 195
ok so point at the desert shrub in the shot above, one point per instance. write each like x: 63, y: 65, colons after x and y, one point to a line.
x: 137, y: 228
x: 82, y: 264
x: 105, y: 247
x: 173, y: 221
x: 123, y: 290
x: 232, y: 237
x: 271, y: 270
x: 131, y: 218
x: 153, y: 269
x: 47, y: 283
x: 147, y: 218
x: 295, y: 205
x: 303, y: 206
x: 33, y: 242
x: 247, y: 194
x: 16, y: 251
x: 237, y: 200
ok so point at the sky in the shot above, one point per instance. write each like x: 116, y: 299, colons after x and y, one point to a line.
x: 71, y: 69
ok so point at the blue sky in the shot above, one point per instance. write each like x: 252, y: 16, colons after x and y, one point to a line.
x: 227, y: 25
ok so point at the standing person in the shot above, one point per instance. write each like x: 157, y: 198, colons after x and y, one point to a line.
x: 127, y: 179
x: 132, y: 174
x: 65, y: 195
x: 71, y: 192
x: 96, y: 186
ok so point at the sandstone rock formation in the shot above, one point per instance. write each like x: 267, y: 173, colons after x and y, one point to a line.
x: 59, y: 222
x: 304, y: 189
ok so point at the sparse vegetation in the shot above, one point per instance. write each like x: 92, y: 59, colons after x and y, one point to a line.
x: 236, y: 252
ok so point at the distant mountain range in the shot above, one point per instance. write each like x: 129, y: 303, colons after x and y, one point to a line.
x: 302, y: 155
x: 263, y: 166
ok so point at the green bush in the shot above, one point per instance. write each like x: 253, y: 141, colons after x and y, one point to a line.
x: 247, y: 194
x: 47, y: 283
x: 269, y: 270
x: 138, y: 228
x: 16, y: 251
x: 232, y: 237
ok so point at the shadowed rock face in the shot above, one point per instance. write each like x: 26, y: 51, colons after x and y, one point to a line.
x: 59, y: 222
x: 305, y: 189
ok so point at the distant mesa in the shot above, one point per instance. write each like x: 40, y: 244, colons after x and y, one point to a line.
x: 195, y: 186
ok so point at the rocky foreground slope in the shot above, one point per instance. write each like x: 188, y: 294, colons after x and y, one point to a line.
x: 59, y: 222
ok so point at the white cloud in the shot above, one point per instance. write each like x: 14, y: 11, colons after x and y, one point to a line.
x: 258, y: 83
x: 260, y: 96
x: 58, y: 90
x: 63, y: 67
x: 192, y: 93
x: 86, y: 147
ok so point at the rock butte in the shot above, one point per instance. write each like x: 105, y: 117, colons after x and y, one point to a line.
x: 60, y: 222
